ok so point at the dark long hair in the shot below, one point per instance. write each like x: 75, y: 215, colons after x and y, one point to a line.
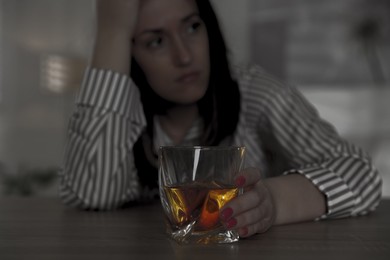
x: 219, y: 107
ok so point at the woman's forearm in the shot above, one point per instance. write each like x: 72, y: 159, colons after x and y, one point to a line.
x: 112, y: 51
x: 116, y: 21
x: 296, y: 199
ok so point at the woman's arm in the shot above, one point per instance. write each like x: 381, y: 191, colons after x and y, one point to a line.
x: 116, y: 21
x: 342, y: 172
x: 99, y: 171
x: 329, y: 177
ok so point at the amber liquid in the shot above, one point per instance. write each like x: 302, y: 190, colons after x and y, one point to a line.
x: 198, y: 202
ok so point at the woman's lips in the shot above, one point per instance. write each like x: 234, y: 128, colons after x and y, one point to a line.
x: 188, y: 77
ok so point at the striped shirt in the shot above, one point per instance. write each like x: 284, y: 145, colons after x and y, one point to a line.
x: 99, y: 170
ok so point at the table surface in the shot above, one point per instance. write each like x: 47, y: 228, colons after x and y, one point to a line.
x: 43, y: 228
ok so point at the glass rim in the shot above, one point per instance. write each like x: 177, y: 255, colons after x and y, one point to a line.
x: 201, y: 147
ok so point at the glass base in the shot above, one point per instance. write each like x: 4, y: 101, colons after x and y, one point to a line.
x: 187, y: 235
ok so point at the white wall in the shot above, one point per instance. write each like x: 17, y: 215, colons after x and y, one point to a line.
x: 33, y: 120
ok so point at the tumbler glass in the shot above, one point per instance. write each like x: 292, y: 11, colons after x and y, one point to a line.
x: 195, y: 182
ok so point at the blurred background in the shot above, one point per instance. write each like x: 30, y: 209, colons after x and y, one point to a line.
x: 337, y: 52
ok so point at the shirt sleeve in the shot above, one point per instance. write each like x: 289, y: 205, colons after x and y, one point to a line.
x: 343, y: 172
x: 99, y: 171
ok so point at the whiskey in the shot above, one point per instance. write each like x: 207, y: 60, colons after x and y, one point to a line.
x: 199, y: 202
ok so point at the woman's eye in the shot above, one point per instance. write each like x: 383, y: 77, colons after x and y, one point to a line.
x: 155, y: 43
x: 194, y: 27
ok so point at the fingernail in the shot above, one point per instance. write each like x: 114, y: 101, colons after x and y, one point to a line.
x: 240, y: 181
x: 226, y: 214
x: 231, y: 223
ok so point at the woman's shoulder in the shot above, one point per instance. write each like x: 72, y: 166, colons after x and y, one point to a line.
x: 252, y: 78
x: 244, y: 70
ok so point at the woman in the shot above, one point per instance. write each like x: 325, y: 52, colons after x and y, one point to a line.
x: 182, y: 92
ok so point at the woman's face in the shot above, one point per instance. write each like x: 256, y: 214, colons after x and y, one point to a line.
x: 171, y: 46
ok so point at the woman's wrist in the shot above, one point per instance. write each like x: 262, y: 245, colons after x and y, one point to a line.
x: 112, y: 50
x: 296, y: 199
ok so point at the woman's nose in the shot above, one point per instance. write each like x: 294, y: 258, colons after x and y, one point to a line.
x: 182, y: 54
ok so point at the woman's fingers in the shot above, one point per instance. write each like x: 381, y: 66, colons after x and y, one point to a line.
x: 258, y: 227
x: 243, y: 203
x: 256, y: 220
x: 248, y: 209
x: 253, y: 211
x: 248, y: 177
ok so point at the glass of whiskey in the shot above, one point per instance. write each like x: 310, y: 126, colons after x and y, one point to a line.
x: 195, y: 182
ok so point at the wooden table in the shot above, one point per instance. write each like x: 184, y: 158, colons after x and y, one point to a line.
x: 42, y: 228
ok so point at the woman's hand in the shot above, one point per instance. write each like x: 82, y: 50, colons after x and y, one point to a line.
x: 116, y: 22
x: 253, y: 211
